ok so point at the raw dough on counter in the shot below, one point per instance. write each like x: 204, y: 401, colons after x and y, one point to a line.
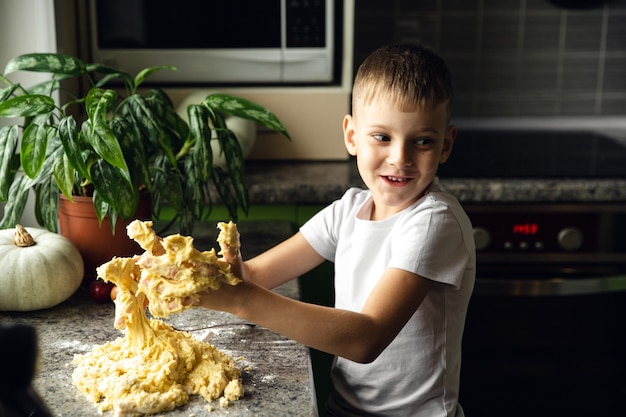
x: 154, y: 367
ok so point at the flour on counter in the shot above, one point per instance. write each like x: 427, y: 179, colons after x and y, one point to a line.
x: 71, y: 345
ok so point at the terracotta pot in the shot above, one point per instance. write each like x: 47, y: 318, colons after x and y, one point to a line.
x: 95, y: 242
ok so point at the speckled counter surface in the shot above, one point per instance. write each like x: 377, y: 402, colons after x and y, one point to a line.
x: 322, y: 182
x: 275, y: 370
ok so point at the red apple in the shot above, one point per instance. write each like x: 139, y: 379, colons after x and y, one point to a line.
x: 100, y: 291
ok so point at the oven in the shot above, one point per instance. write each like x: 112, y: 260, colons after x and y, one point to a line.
x: 546, y: 327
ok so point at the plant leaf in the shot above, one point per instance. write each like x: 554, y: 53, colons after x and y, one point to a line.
x: 104, y: 142
x: 149, y: 126
x: 246, y: 109
x: 46, y: 88
x: 18, y: 196
x: 174, y: 125
x: 194, y: 197
x: 47, y: 204
x: 69, y: 139
x: 144, y: 117
x: 101, y: 207
x: 64, y: 176
x: 160, y: 98
x: 8, y: 159
x: 26, y: 106
x: 114, y: 187
x: 134, y: 152
x: 46, y: 62
x: 110, y: 73
x: 147, y: 72
x: 167, y: 188
x: 186, y: 221
x: 222, y: 184
x: 97, y: 104
x: 107, y: 78
x: 112, y: 218
x: 236, y: 168
x: 33, y: 149
x: 54, y: 153
x: 202, y: 152
x: 5, y: 93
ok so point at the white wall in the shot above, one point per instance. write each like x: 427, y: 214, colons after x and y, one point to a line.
x: 26, y: 26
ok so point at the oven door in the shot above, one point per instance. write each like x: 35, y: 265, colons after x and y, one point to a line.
x: 540, y: 346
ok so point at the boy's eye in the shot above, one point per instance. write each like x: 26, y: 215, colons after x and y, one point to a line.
x: 423, y: 141
x: 380, y: 137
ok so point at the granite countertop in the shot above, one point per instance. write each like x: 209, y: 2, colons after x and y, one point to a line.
x: 275, y: 370
x: 323, y: 182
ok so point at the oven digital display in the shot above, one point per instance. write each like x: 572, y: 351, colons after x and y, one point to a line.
x: 525, y: 228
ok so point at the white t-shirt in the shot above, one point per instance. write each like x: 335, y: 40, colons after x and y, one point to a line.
x: 418, y: 373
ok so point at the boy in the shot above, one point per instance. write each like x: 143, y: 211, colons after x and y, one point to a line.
x: 403, y: 251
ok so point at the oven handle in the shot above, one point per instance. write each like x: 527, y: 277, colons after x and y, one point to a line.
x: 550, y: 287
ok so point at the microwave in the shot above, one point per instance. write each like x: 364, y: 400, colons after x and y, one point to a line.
x: 235, y: 42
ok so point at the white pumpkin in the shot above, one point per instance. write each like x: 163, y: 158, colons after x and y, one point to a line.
x: 40, y: 269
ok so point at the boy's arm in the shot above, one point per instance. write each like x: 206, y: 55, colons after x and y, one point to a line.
x: 285, y: 261
x: 360, y: 337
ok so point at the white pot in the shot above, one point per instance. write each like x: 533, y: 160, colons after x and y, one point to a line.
x: 244, y: 129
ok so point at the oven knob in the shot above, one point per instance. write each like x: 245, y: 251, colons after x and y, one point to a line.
x: 482, y: 238
x: 570, y: 238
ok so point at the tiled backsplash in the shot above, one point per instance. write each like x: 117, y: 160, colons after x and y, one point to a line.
x: 512, y: 57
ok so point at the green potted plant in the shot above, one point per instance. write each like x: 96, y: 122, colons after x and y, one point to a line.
x: 126, y: 142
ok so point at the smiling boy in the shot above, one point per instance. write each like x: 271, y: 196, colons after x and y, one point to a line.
x: 403, y: 251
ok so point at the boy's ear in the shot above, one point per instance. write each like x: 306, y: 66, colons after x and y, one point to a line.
x: 349, y: 134
x: 448, y: 143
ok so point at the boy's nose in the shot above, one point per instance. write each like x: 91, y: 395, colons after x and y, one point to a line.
x: 399, y: 155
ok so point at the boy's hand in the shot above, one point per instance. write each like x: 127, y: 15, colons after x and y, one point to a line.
x: 233, y: 257
x: 227, y: 298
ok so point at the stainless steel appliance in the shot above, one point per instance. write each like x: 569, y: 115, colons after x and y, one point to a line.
x: 546, y: 327
x: 274, y: 42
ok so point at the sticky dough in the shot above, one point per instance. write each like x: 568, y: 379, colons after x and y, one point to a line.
x: 153, y: 367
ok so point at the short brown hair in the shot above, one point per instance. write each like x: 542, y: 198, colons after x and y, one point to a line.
x: 412, y: 75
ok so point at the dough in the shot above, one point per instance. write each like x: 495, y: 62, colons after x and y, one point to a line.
x: 173, y: 272
x: 154, y: 367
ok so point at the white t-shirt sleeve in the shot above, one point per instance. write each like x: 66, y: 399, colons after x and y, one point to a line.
x: 323, y: 229
x: 431, y: 244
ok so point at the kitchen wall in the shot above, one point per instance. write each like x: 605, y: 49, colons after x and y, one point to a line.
x: 25, y: 26
x: 512, y: 58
